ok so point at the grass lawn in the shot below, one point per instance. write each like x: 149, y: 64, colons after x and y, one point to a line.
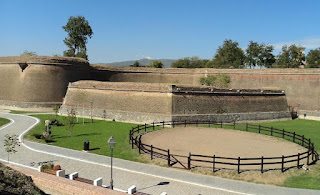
x: 97, y: 133
x: 4, y: 121
x: 310, y: 129
x: 22, y: 112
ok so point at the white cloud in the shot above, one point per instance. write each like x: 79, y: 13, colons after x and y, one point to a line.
x: 139, y: 57
x: 308, y: 43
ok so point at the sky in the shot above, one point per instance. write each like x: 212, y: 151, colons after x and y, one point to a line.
x: 157, y: 29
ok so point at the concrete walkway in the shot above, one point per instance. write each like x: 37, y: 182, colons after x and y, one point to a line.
x: 148, y: 178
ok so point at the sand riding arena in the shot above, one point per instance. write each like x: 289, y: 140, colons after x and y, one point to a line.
x: 207, y: 145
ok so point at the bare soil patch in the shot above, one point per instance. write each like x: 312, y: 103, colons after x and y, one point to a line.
x: 223, y: 143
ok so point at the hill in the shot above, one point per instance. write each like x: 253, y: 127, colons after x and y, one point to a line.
x: 143, y: 62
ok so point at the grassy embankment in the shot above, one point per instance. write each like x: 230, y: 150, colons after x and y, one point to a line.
x: 4, y: 121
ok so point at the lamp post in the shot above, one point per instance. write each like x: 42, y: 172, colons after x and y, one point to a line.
x: 112, y: 145
x: 91, y: 110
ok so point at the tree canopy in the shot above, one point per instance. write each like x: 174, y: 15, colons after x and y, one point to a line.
x: 79, y: 31
x: 228, y: 55
x: 313, y: 58
x: 290, y: 57
x: 189, y: 62
x: 28, y: 53
x: 156, y: 64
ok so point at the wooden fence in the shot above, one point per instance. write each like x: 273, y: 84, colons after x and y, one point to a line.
x: 239, y: 164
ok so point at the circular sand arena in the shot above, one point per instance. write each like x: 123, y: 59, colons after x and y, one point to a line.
x: 222, y: 143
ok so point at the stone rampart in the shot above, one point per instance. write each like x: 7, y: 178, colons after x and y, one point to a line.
x: 146, y: 102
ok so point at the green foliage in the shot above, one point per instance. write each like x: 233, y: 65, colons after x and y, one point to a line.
x: 219, y: 81
x: 70, y: 120
x: 56, y: 108
x: 253, y: 51
x: 47, y: 166
x: 291, y: 57
x: 193, y: 62
x: 136, y: 64
x: 313, y: 58
x: 79, y: 31
x: 156, y: 64
x: 228, y: 55
x: 28, y: 53
x: 4, y: 121
x: 10, y: 143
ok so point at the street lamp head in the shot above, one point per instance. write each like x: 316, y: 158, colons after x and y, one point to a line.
x: 112, y: 142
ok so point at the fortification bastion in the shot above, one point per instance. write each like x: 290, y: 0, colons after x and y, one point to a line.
x: 38, y: 81
x: 148, y: 102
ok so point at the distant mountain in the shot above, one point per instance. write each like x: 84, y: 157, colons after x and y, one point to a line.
x: 143, y: 62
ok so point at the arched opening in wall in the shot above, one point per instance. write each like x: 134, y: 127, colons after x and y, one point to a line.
x: 23, y: 66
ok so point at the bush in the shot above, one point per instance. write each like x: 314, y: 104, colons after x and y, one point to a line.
x: 219, y: 81
x: 47, y: 166
x: 57, y: 167
x: 48, y: 139
x: 38, y: 136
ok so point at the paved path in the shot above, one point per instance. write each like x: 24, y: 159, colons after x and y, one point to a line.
x: 147, y: 178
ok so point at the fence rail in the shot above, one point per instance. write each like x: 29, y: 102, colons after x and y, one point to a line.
x: 188, y: 162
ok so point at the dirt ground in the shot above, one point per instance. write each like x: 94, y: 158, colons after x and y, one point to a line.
x: 224, y: 143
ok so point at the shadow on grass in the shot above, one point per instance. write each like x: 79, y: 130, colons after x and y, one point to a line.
x: 80, y: 135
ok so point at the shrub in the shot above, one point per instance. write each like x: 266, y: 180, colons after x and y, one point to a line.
x: 57, y: 167
x: 219, y: 81
x: 47, y: 166
x: 38, y: 136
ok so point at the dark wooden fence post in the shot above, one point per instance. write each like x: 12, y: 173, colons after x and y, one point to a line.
x: 173, y: 124
x: 209, y: 123
x: 234, y: 124
x: 246, y: 126
x: 308, y: 156
x: 185, y: 123
x: 189, y: 161
x: 298, y: 161
x: 282, y: 133
x: 282, y: 164
x: 221, y: 124
x: 302, y: 142
x: 163, y: 125
x: 145, y: 127
x: 132, y: 142
x: 169, y: 164
x: 214, y: 163
x: 152, y: 126
x: 138, y: 129
x: 271, y: 131
x: 151, y: 152
x: 294, y: 137
x: 261, y: 164
x: 259, y: 128
x: 140, y: 144
x: 238, y: 165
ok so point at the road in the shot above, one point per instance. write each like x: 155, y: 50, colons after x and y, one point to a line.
x: 149, y: 179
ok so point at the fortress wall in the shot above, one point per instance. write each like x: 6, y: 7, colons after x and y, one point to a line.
x: 301, y: 85
x: 218, y: 104
x: 26, y: 81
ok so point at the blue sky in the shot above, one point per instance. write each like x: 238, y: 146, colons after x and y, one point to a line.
x: 133, y: 29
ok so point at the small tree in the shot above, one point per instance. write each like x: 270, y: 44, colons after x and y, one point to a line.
x: 313, y: 58
x: 56, y: 108
x: 70, y: 120
x: 10, y: 143
x: 136, y: 64
x: 28, y: 53
x: 156, y: 64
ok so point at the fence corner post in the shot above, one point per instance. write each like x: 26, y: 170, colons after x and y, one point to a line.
x: 214, y: 163
x: 169, y: 164
x: 151, y: 152
x: 282, y: 164
x: 298, y: 161
x: 189, y: 161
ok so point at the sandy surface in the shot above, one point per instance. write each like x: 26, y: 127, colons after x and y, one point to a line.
x: 221, y: 142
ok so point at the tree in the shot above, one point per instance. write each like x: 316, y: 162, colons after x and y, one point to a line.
x: 266, y: 57
x: 28, y: 53
x: 189, y: 62
x: 70, y: 120
x: 219, y: 81
x: 291, y: 57
x: 136, y: 64
x: 79, y: 31
x: 10, y: 143
x: 313, y: 58
x: 228, y: 55
x: 156, y: 64
x: 253, y: 52
x: 56, y: 108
